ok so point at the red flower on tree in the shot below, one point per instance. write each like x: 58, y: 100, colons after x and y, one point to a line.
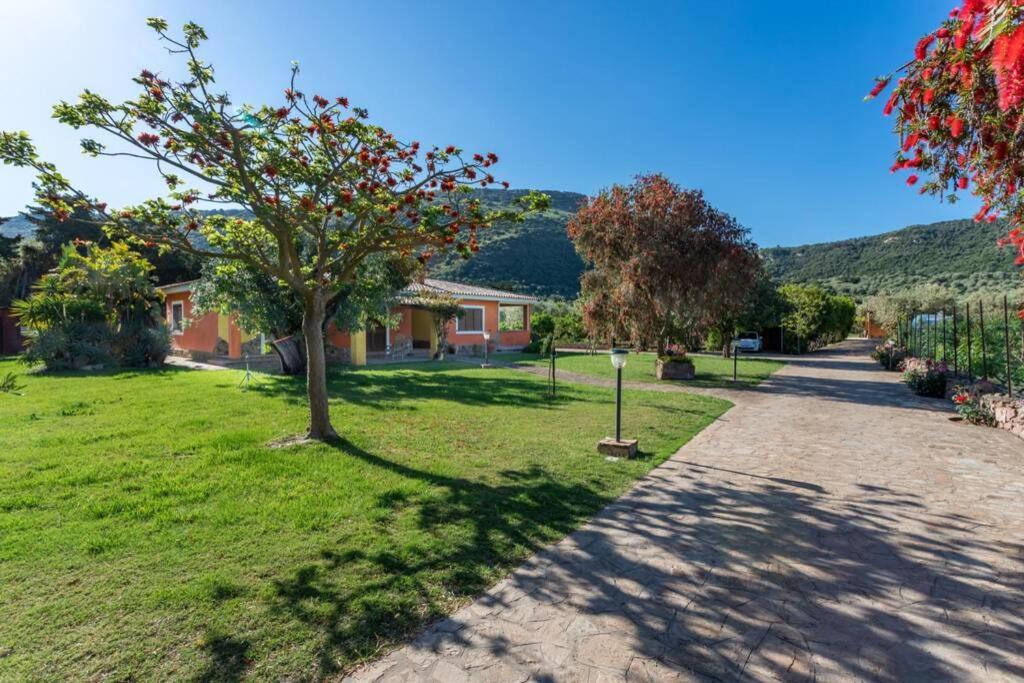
x: 962, y: 99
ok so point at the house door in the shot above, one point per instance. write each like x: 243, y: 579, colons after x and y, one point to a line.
x: 376, y: 338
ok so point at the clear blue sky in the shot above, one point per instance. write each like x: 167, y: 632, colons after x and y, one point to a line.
x: 756, y: 102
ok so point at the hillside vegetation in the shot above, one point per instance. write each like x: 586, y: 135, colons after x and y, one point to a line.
x: 536, y: 257
x: 960, y: 255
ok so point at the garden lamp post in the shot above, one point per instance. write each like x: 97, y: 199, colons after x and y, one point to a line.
x: 618, y: 447
x: 487, y: 342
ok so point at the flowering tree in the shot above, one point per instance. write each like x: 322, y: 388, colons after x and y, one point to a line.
x: 323, y: 188
x: 958, y: 107
x: 664, y: 260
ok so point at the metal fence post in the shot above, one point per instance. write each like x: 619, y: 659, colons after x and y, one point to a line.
x: 1006, y: 334
x: 970, y: 361
x: 956, y: 369
x: 945, y: 349
x: 984, y: 351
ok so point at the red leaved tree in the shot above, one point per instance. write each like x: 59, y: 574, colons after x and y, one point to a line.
x: 958, y: 107
x: 323, y: 189
x: 665, y: 263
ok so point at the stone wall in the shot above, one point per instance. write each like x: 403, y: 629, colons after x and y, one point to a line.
x: 1009, y: 412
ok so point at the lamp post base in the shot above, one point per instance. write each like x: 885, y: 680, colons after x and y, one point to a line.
x: 626, y: 448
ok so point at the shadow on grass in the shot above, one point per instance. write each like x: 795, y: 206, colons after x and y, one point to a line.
x: 227, y: 659
x: 389, y: 389
x: 362, y: 601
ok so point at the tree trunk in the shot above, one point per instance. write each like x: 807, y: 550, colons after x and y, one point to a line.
x: 661, y: 347
x: 726, y: 347
x: 316, y: 370
x: 292, y: 352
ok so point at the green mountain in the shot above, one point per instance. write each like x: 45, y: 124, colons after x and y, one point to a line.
x: 536, y: 257
x: 532, y: 257
x: 960, y: 255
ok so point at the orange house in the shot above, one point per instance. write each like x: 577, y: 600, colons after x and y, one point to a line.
x: 504, y: 317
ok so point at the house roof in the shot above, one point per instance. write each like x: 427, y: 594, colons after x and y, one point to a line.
x: 409, y: 294
x: 461, y: 291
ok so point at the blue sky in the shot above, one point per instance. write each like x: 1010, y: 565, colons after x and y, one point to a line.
x: 756, y: 102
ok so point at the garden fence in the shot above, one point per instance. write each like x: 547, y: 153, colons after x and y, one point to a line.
x: 981, y: 339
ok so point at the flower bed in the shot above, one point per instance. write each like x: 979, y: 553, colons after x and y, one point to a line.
x: 925, y: 377
x: 982, y: 404
x: 889, y: 356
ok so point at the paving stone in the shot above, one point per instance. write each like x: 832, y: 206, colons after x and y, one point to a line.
x: 831, y: 526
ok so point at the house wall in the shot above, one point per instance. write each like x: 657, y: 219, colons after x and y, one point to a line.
x: 202, y: 335
x: 517, y: 339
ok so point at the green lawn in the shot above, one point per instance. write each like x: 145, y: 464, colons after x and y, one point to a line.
x: 147, y: 532
x: 712, y: 371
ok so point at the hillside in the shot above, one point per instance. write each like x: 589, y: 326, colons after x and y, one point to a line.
x: 533, y: 257
x: 961, y: 255
x: 536, y: 257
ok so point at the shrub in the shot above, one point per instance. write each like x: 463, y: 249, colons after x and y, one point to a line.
x: 967, y: 401
x: 98, y: 308
x: 889, y: 356
x: 925, y: 377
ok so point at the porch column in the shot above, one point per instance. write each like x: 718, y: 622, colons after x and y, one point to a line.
x: 357, y: 346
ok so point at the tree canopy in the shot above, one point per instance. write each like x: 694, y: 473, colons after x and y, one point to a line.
x: 958, y: 109
x: 664, y: 261
x: 323, y: 188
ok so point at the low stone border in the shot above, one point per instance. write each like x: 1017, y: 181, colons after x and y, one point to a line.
x: 1008, y: 412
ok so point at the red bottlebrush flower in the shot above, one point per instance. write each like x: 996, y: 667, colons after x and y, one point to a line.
x: 934, y: 122
x: 147, y: 75
x: 450, y: 149
x: 270, y: 170
x: 268, y: 199
x: 343, y: 101
x: 478, y: 157
x: 149, y: 139
x: 307, y: 203
x: 889, y: 105
x: 921, y: 50
x: 346, y: 197
x: 282, y: 112
x: 504, y: 184
x: 880, y: 84
x: 929, y: 96
x: 963, y: 182
x: 320, y: 101
x: 956, y: 127
x: 942, y: 32
x: 492, y: 157
x: 157, y: 93
x: 912, y: 179
x: 149, y: 245
x: 393, y: 208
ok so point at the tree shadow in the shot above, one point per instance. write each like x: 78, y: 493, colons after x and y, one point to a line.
x: 362, y: 601
x: 758, y: 582
x: 227, y: 659
x: 398, y: 388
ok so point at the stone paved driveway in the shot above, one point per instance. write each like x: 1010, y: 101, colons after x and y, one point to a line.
x: 828, y: 527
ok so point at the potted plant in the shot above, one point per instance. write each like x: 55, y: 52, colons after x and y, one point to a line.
x: 674, y: 365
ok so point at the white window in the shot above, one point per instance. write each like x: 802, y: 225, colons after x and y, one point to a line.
x: 177, y: 317
x: 471, y: 320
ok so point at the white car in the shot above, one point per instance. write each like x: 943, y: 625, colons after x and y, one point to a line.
x: 749, y: 341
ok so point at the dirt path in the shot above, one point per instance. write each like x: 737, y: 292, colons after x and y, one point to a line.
x: 830, y: 526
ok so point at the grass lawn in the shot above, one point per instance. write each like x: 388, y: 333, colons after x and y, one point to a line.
x: 712, y: 371
x: 147, y: 532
